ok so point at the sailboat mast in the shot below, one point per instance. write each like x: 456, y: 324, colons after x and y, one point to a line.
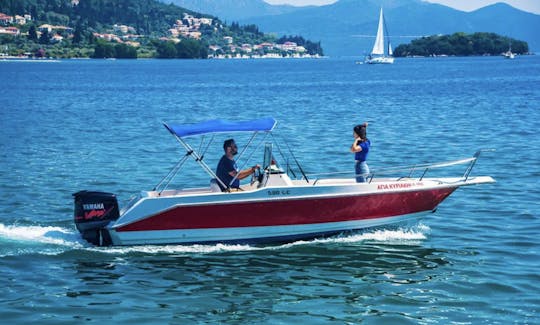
x: 389, y: 47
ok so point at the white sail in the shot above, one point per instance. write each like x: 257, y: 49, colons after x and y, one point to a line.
x: 378, y: 47
x: 390, y: 52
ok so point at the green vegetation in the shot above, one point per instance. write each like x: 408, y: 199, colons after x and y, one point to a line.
x: 461, y: 44
x: 107, y: 50
x: 183, y: 50
x: 126, y: 29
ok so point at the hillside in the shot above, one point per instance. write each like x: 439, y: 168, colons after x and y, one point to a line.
x: 235, y: 10
x: 133, y: 28
x: 348, y: 27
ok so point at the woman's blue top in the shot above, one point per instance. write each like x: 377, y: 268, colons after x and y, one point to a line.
x: 362, y: 155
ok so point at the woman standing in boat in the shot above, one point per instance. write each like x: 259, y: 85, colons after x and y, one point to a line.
x: 360, y: 147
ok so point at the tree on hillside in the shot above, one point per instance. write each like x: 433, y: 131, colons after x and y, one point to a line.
x: 165, y: 50
x: 191, y: 49
x: 32, y: 33
x: 103, y: 50
x: 124, y: 51
x: 44, y: 38
x: 77, y: 34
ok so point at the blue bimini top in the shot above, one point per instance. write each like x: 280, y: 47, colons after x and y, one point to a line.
x: 218, y: 126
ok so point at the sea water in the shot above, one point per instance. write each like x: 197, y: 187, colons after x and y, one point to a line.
x: 70, y: 125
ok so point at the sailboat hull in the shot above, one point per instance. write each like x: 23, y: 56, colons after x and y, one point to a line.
x: 381, y: 60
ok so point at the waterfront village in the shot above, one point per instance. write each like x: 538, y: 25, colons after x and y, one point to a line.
x: 187, y: 27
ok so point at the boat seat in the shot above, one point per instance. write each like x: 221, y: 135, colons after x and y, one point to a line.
x: 214, y: 186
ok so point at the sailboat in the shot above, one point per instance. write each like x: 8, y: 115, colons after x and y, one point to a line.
x: 381, y: 53
x: 508, y: 54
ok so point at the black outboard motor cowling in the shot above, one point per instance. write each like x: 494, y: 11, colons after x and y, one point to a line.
x: 93, y: 212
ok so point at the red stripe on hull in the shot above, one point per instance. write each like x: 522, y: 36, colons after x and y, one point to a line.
x: 292, y: 212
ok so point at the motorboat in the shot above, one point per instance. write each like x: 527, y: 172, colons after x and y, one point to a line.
x: 280, y: 203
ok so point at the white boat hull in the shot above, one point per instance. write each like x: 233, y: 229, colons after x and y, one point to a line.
x: 381, y: 60
x: 279, y: 214
x: 263, y: 234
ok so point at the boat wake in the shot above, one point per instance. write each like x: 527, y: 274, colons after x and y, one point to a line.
x: 403, y: 235
x: 40, y: 240
x: 39, y: 235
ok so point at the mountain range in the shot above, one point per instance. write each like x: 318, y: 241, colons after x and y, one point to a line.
x: 348, y: 27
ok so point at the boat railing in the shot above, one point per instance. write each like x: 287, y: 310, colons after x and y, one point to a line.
x: 404, y: 172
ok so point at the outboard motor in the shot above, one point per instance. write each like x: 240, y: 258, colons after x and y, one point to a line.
x: 93, y: 212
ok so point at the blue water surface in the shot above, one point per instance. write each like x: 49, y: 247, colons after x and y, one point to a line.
x: 97, y: 124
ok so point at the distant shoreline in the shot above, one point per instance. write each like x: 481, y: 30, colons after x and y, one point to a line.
x: 29, y: 58
x: 458, y: 56
x: 313, y: 57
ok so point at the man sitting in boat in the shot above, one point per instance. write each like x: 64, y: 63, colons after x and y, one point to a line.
x: 227, y: 170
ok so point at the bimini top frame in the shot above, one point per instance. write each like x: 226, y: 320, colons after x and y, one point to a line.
x: 212, y: 127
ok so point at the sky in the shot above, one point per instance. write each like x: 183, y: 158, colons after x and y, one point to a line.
x: 465, y: 5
